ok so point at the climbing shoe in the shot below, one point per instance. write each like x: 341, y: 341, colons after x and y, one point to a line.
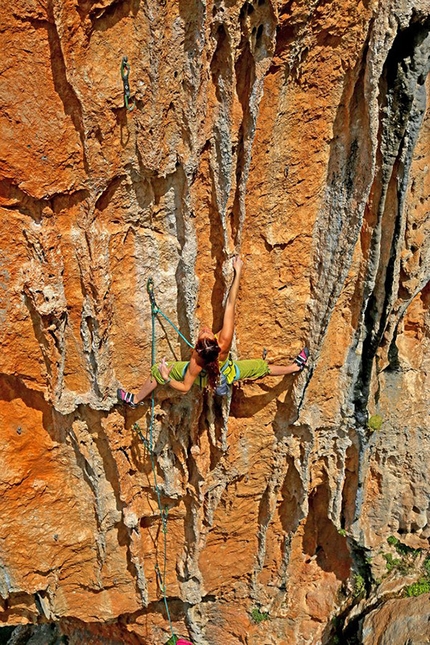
x: 126, y: 397
x: 302, y: 358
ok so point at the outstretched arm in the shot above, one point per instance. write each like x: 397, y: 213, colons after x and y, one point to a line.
x: 225, y: 336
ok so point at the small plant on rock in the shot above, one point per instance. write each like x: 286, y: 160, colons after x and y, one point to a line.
x: 391, y: 562
x: 359, y: 584
x: 423, y: 584
x: 417, y: 588
x: 406, y: 562
x: 259, y: 616
x: 375, y: 422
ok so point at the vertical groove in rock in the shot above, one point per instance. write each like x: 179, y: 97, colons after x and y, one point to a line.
x: 349, y: 178
x: 402, y: 101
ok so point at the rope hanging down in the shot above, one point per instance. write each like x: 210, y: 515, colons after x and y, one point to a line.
x: 149, y: 444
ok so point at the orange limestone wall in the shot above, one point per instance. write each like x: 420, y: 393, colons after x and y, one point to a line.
x: 296, y: 133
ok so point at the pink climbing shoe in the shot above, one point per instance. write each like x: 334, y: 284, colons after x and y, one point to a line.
x: 126, y: 397
x: 182, y: 641
x: 302, y: 358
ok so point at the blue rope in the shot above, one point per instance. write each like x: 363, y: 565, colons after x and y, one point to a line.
x: 155, y: 311
x: 175, y: 328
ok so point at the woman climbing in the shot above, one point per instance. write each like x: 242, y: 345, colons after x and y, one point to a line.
x: 210, y: 363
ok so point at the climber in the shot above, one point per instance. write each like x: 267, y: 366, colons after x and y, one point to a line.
x: 211, y: 363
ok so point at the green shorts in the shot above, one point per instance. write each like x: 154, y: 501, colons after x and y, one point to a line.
x: 251, y: 369
x: 177, y: 372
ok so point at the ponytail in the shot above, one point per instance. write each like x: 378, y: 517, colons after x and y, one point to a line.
x: 208, y: 350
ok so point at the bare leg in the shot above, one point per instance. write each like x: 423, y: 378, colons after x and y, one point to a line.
x: 281, y: 370
x: 298, y: 365
x: 148, y: 387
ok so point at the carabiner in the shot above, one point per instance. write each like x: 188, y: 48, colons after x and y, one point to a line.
x: 150, y: 290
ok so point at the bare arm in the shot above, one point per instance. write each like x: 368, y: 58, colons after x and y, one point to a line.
x: 225, y: 336
x: 191, y: 374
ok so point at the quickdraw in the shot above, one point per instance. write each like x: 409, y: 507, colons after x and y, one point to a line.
x: 125, y: 73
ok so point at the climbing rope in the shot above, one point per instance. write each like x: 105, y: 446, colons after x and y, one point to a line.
x: 125, y: 72
x: 149, y: 445
x: 156, y: 310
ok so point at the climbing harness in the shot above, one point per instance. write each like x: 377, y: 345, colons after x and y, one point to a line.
x: 125, y: 72
x: 224, y: 386
x: 149, y: 445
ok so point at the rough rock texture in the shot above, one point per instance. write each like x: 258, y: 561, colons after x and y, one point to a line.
x: 296, y: 133
x: 398, y: 622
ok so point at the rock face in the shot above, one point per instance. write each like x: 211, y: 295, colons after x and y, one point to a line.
x: 296, y: 133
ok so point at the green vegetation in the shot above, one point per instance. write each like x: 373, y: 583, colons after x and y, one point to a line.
x: 391, y: 539
x: 406, y: 562
x: 359, y: 584
x: 423, y: 584
x: 402, y: 549
x: 417, y: 588
x: 392, y: 563
x: 375, y: 422
x: 342, y: 532
x: 259, y: 616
